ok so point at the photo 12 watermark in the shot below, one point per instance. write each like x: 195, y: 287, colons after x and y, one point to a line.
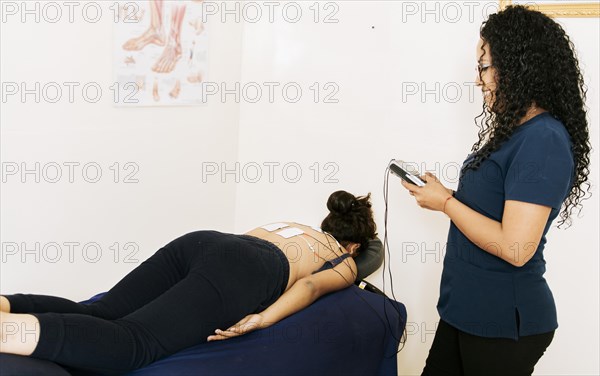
x: 69, y: 92
x: 421, y: 331
x: 422, y: 252
x: 69, y: 172
x: 447, y: 11
x: 130, y: 92
x: 56, y: 12
x: 436, y: 252
x: 270, y: 11
x: 53, y: 252
x: 270, y: 172
x: 438, y: 92
x: 269, y: 92
x: 53, y: 12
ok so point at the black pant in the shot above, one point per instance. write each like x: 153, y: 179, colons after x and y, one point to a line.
x: 454, y: 352
x: 197, y: 283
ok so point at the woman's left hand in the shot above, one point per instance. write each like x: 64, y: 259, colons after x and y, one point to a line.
x: 432, y: 195
x: 245, y: 325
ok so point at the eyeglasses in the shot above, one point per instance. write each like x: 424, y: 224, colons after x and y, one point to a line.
x: 481, y: 68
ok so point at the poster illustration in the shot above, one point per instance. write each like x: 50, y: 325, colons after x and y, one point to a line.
x: 160, y: 53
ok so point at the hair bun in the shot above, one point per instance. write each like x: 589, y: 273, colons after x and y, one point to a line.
x: 341, y: 202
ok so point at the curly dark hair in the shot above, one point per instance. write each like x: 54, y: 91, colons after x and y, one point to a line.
x: 350, y: 219
x: 535, y: 64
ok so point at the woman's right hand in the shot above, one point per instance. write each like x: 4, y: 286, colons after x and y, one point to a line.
x: 433, y: 195
x: 246, y: 325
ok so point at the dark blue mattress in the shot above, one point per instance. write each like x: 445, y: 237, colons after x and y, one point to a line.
x: 349, y: 332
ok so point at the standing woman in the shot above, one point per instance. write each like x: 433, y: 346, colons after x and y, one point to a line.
x: 497, y: 312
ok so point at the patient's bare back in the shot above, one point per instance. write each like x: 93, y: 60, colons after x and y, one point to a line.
x: 307, y: 248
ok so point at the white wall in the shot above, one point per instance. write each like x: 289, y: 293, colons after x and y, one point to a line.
x: 375, y: 55
x: 167, y: 147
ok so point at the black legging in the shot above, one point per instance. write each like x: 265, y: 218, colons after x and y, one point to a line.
x: 455, y: 353
x: 177, y: 298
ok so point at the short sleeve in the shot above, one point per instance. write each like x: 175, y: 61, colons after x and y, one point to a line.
x: 541, y: 170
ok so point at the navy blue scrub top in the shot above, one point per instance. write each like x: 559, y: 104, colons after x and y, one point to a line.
x: 480, y: 293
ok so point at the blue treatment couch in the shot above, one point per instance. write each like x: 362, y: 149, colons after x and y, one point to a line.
x: 349, y: 332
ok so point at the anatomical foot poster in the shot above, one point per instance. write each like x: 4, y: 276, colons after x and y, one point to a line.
x: 160, y: 53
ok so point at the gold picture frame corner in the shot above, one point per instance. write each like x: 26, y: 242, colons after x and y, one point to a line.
x: 563, y: 9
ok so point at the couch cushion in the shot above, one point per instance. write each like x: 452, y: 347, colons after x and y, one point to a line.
x: 16, y: 365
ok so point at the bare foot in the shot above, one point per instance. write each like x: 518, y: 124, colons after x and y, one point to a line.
x: 155, y: 33
x: 151, y: 36
x: 172, y: 52
x: 176, y: 90
x: 195, y: 78
x: 155, y: 91
x: 168, y: 60
x: 4, y: 304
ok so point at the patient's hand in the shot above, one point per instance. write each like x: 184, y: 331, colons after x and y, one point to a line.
x: 245, y: 325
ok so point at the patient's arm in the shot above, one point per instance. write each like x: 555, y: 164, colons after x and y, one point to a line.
x: 302, y: 294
